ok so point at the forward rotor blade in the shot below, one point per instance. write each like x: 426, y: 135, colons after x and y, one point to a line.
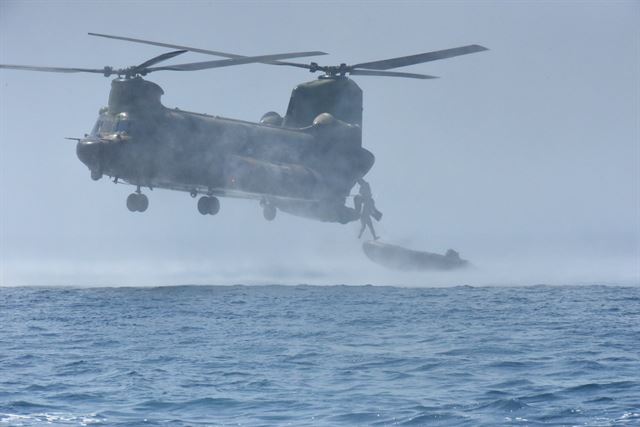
x: 171, y: 46
x: 194, y: 66
x: 390, y: 74
x: 403, y: 61
x: 161, y: 58
x: 52, y: 69
x: 198, y: 50
x: 291, y: 64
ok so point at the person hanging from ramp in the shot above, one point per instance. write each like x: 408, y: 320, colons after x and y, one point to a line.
x: 366, y: 206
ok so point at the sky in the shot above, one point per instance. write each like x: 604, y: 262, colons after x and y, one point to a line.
x: 524, y: 158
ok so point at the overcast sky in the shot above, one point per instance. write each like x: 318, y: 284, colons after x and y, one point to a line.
x: 524, y: 158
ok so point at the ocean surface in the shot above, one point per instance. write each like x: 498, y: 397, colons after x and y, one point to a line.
x: 320, y: 356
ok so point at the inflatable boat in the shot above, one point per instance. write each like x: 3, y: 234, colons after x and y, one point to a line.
x: 399, y: 258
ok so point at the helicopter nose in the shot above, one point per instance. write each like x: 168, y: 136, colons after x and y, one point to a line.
x: 89, y: 153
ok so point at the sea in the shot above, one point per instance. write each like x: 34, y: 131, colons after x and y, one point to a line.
x: 320, y: 356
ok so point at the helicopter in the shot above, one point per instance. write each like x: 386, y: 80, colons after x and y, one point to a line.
x: 304, y: 163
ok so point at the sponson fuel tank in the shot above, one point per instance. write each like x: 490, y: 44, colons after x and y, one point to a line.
x: 258, y: 176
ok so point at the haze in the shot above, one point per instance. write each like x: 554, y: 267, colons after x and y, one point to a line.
x: 524, y: 158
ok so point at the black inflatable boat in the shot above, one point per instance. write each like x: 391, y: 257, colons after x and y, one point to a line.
x: 399, y: 258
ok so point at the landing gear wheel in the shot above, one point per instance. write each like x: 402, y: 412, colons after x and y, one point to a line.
x: 143, y: 202
x: 269, y: 212
x: 132, y: 202
x: 137, y: 202
x: 208, y: 205
x: 203, y: 205
x: 214, y: 205
x: 96, y: 174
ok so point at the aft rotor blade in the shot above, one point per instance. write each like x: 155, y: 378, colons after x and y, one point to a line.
x: 390, y: 74
x: 194, y: 66
x: 52, y: 69
x: 403, y: 61
x: 161, y: 58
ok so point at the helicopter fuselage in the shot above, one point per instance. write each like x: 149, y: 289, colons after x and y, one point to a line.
x: 307, y: 171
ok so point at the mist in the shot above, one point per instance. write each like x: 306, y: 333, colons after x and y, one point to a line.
x: 524, y: 158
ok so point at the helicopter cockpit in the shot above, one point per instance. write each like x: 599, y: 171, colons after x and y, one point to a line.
x: 108, y: 124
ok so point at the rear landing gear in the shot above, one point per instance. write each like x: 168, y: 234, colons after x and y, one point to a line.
x: 137, y: 202
x: 208, y: 205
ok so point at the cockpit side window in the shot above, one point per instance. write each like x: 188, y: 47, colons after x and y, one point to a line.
x: 123, y: 126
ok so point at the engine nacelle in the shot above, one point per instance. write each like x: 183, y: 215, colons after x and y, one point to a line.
x: 329, y: 129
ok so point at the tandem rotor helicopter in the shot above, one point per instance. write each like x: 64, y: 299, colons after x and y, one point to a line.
x: 304, y: 163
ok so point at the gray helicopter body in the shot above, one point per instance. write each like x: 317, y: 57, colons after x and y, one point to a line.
x: 304, y: 163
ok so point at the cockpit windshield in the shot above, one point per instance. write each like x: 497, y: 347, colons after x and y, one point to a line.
x: 96, y: 127
x: 107, y: 124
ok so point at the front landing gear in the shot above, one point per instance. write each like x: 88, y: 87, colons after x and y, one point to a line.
x: 208, y: 205
x: 96, y: 174
x: 137, y: 202
x: 268, y: 210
